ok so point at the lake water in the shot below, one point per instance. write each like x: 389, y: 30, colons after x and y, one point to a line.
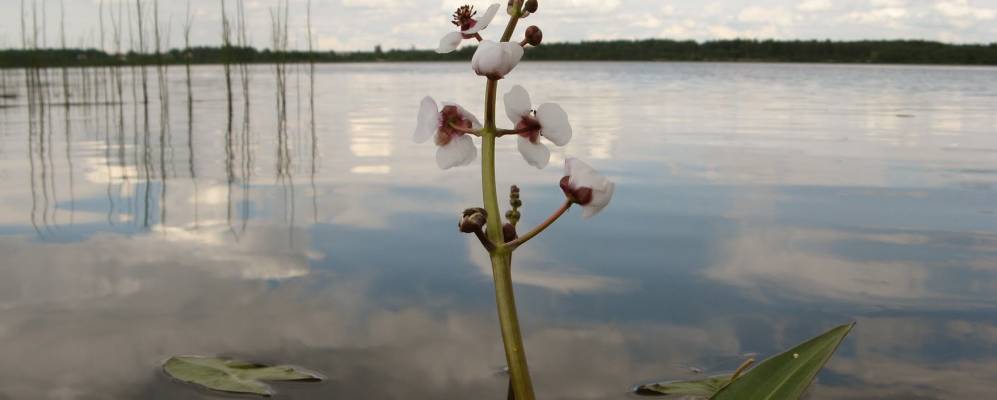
x: 757, y: 205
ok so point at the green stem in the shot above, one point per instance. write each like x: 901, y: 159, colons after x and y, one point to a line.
x: 501, y: 255
x: 515, y: 352
x: 511, y: 27
x: 489, y: 193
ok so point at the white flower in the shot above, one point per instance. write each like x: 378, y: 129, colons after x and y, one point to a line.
x: 449, y: 127
x: 549, y: 121
x: 495, y: 60
x: 467, y: 26
x: 583, y: 185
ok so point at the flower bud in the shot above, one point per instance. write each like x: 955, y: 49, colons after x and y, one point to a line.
x: 495, y: 60
x: 509, y: 232
x: 531, y: 6
x: 534, y: 35
x: 472, y: 220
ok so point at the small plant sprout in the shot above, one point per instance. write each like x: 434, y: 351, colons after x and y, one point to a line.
x: 453, y: 129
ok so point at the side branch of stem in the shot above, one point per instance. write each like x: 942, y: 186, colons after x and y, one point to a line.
x: 540, y: 228
x: 458, y: 128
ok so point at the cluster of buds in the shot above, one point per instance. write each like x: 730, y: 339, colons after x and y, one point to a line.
x: 509, y: 228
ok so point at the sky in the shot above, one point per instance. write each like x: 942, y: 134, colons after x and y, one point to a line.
x: 348, y: 25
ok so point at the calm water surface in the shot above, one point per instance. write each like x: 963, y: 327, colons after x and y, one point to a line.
x: 756, y: 206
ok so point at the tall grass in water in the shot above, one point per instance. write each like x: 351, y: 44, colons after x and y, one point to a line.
x: 311, y: 112
x: 279, y: 38
x: 245, y: 148
x: 191, y: 165
x: 162, y: 83
x: 229, y: 139
x: 62, y: 43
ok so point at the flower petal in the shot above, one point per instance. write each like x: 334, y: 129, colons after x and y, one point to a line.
x: 517, y: 104
x: 581, y: 174
x: 574, y: 166
x: 600, y: 199
x: 486, y: 57
x: 513, y: 54
x: 428, y: 121
x: 449, y: 42
x: 536, y: 154
x: 459, y: 152
x: 554, y: 123
x: 483, y: 22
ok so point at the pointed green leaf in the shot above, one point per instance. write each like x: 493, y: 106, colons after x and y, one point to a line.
x: 232, y: 376
x: 700, y: 389
x: 786, y: 376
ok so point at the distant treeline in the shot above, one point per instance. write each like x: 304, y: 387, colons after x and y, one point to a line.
x: 873, y: 51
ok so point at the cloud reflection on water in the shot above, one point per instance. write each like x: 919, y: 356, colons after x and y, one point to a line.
x: 758, y: 204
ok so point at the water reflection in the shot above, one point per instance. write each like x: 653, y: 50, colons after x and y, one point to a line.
x: 205, y: 211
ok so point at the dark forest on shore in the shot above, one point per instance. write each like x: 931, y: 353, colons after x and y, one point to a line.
x: 812, y: 51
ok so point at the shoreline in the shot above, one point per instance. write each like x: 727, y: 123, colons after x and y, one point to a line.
x: 888, y: 52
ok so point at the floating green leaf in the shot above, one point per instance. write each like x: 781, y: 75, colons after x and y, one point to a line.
x: 232, y: 376
x: 700, y: 389
x: 786, y: 376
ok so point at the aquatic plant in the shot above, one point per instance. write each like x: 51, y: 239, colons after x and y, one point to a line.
x: 452, y: 128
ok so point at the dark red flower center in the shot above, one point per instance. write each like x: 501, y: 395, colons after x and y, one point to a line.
x: 464, y: 17
x: 451, y: 119
x: 528, y: 127
x: 581, y: 195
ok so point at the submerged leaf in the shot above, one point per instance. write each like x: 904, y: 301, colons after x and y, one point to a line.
x: 786, y: 376
x: 232, y: 376
x: 700, y: 389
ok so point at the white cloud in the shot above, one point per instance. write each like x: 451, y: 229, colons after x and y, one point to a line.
x: 814, y: 5
x: 683, y: 29
x: 889, y: 3
x: 590, y: 5
x: 350, y: 25
x: 646, y: 21
x: 767, y: 15
x: 877, y: 16
x: 962, y: 9
x: 374, y: 3
x: 723, y: 32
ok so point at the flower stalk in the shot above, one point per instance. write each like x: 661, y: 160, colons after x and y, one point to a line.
x: 453, y: 126
x: 501, y: 255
